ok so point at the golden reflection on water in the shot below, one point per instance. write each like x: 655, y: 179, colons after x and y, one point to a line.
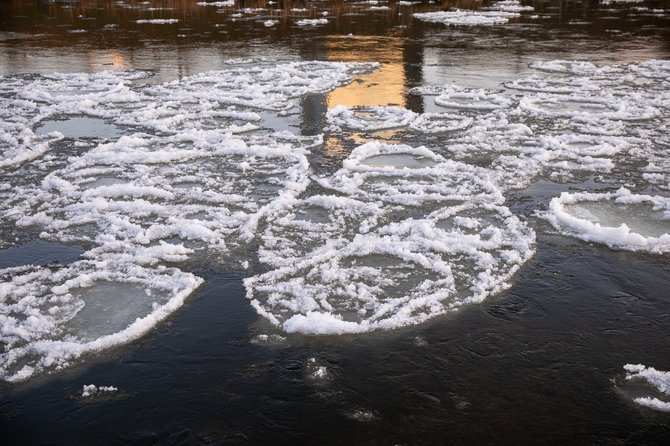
x: 110, y: 60
x: 384, y: 86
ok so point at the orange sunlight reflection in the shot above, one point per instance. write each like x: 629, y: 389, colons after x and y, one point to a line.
x: 384, y: 86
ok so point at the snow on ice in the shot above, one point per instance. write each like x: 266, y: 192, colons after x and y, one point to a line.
x: 657, y: 381
x: 400, y: 233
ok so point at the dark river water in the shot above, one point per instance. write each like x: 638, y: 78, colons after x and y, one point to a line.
x: 538, y: 363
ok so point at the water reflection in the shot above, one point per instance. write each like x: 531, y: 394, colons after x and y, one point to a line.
x: 385, y: 86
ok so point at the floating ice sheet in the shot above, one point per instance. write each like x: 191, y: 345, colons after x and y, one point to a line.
x: 183, y: 179
x: 457, y: 97
x: 311, y: 22
x: 510, y: 6
x: 414, y: 236
x: 467, y: 17
x: 656, y: 381
x: 618, y: 219
x: 50, y: 317
x: 397, y: 235
x: 370, y: 118
x: 573, y: 118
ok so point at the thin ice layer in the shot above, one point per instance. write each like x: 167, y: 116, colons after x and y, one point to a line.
x: 618, y: 219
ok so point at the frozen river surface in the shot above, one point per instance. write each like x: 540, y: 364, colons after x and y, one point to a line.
x: 335, y: 222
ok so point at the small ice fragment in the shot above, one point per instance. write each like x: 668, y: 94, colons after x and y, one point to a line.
x: 93, y: 390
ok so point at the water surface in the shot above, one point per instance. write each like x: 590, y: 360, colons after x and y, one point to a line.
x: 538, y: 362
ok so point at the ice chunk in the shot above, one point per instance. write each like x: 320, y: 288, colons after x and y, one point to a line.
x: 367, y: 265
x: 370, y: 118
x: 457, y: 97
x: 438, y: 180
x: 311, y: 22
x: 576, y: 105
x: 440, y: 122
x: 510, y: 6
x: 157, y: 21
x: 655, y: 380
x: 50, y: 317
x: 222, y: 4
x: 90, y: 390
x: 467, y: 17
x: 618, y: 219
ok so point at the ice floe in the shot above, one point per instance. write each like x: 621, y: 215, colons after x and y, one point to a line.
x: 578, y: 118
x: 611, y: 2
x: 414, y: 236
x: 467, y: 17
x: 157, y: 21
x: 369, y: 118
x: 618, y: 219
x: 657, y: 381
x: 179, y: 182
x: 217, y: 4
x: 194, y: 171
x: 458, y: 97
x: 311, y: 22
x: 51, y: 316
x: 510, y: 6
x: 91, y: 390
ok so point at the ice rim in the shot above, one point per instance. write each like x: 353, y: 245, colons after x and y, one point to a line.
x: 398, y: 235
